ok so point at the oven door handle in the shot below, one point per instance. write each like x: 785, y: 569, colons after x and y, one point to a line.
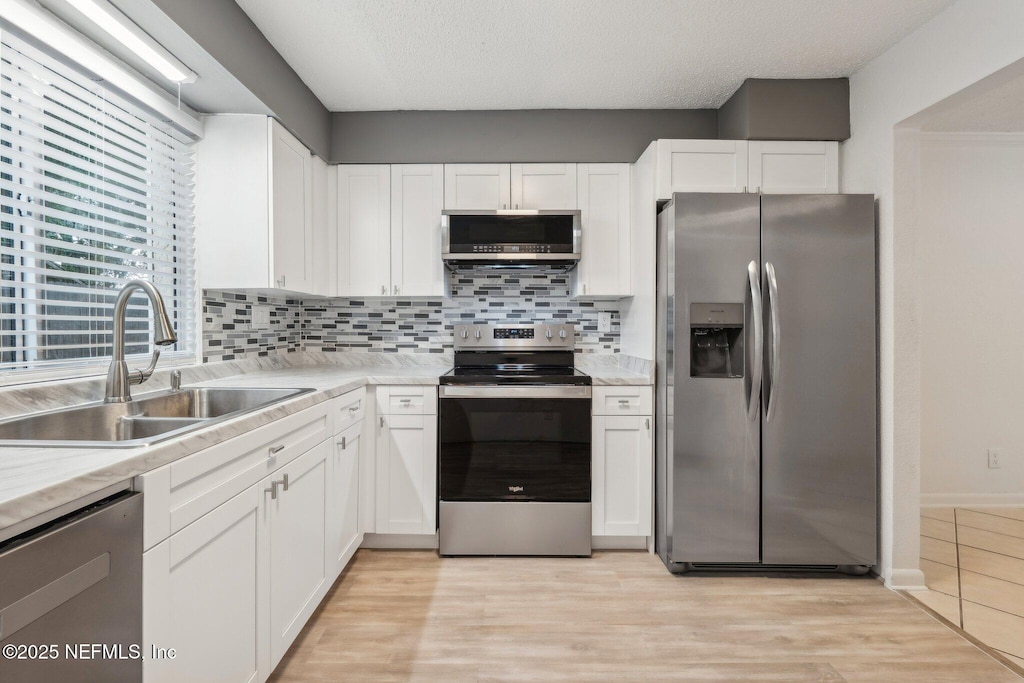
x: 504, y: 391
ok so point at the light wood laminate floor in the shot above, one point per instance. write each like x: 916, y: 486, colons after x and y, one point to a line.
x: 619, y: 616
x: 973, y: 564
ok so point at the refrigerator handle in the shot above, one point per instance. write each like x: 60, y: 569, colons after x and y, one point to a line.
x: 773, y: 303
x: 754, y: 276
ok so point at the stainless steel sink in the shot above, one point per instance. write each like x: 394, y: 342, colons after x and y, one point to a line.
x: 145, y: 420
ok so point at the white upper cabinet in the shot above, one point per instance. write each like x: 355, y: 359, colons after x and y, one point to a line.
x: 291, y: 199
x: 793, y: 167
x: 477, y: 186
x: 701, y: 166
x: 417, y: 199
x: 543, y: 186
x: 604, y: 201
x: 767, y: 166
x: 364, y: 230
x: 254, y: 206
x: 325, y: 206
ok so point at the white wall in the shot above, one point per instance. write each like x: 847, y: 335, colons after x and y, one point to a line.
x: 971, y: 279
x: 965, y: 43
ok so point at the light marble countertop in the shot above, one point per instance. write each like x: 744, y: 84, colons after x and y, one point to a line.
x: 34, y: 481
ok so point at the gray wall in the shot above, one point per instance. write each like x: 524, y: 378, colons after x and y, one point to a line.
x: 581, y: 135
x: 227, y: 33
x: 787, y: 109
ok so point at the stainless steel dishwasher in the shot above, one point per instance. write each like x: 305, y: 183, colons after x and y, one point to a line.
x: 71, y: 597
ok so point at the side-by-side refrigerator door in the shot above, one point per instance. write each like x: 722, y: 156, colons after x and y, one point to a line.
x: 717, y: 359
x: 819, y: 453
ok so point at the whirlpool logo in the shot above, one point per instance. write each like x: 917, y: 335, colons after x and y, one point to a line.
x: 515, y: 489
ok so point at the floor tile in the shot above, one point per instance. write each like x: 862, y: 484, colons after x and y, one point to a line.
x: 934, y: 528
x: 985, y: 590
x: 990, y: 522
x: 943, y: 514
x: 992, y: 564
x: 996, y: 629
x: 1008, y: 512
x: 938, y: 551
x: 940, y: 577
x: 991, y: 541
x: 945, y: 605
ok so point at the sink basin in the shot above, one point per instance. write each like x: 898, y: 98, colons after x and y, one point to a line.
x: 143, y: 421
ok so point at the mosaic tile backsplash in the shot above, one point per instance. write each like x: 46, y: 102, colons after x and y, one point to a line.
x: 400, y: 325
x: 227, y: 326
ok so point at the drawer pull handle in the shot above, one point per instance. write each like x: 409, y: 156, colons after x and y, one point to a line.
x: 405, y: 401
x: 342, y: 443
x: 274, y: 450
x: 284, y: 482
x: 273, y: 489
x: 354, y: 409
x: 623, y: 401
x: 647, y: 423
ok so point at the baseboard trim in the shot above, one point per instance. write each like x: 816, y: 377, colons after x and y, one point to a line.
x: 400, y: 541
x: 618, y: 542
x: 906, y: 580
x: 974, y: 500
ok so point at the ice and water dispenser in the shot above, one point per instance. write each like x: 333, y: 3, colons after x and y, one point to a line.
x: 716, y: 340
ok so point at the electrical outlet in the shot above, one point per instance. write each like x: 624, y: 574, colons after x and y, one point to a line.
x: 604, y: 321
x: 994, y: 458
x: 260, y: 317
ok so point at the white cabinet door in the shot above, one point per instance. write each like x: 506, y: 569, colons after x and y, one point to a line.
x: 604, y: 202
x: 291, y: 210
x: 417, y: 199
x: 543, y: 186
x: 406, y: 474
x: 343, y: 535
x: 793, y: 167
x: 364, y: 230
x: 325, y: 208
x: 477, y: 186
x: 199, y: 597
x: 701, y: 166
x: 622, y: 452
x: 292, y: 550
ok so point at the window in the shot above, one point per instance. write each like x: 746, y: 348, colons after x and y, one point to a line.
x: 94, y: 191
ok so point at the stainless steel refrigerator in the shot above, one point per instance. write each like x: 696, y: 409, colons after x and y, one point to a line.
x: 766, y: 376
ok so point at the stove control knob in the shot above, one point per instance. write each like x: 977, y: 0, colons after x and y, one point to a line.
x: 465, y: 334
x: 562, y: 334
x: 548, y: 334
x: 477, y: 333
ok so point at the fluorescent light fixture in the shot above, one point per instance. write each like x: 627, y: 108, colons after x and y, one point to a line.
x: 125, y: 31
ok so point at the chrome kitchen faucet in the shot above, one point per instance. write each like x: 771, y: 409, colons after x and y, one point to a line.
x: 119, y: 377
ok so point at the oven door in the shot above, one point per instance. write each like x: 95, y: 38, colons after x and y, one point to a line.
x: 514, y: 443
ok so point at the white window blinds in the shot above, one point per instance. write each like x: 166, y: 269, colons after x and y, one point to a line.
x: 94, y: 191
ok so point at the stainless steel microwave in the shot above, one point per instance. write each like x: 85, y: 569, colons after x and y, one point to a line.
x: 510, y: 238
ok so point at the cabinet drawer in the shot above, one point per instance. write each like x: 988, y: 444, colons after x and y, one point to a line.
x: 183, y: 491
x: 626, y: 400
x: 407, y: 400
x: 348, y: 409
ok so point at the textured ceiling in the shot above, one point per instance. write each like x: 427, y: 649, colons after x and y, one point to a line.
x: 571, y: 54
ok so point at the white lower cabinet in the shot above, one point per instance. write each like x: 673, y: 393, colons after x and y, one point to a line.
x: 622, y: 450
x: 623, y: 457
x: 343, y: 534
x: 199, y: 597
x: 406, y: 474
x: 292, y: 560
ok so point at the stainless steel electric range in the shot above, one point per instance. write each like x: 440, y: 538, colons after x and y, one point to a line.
x: 514, y: 444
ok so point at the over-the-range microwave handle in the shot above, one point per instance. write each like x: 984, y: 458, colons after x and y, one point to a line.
x: 753, y: 402
x: 773, y: 302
